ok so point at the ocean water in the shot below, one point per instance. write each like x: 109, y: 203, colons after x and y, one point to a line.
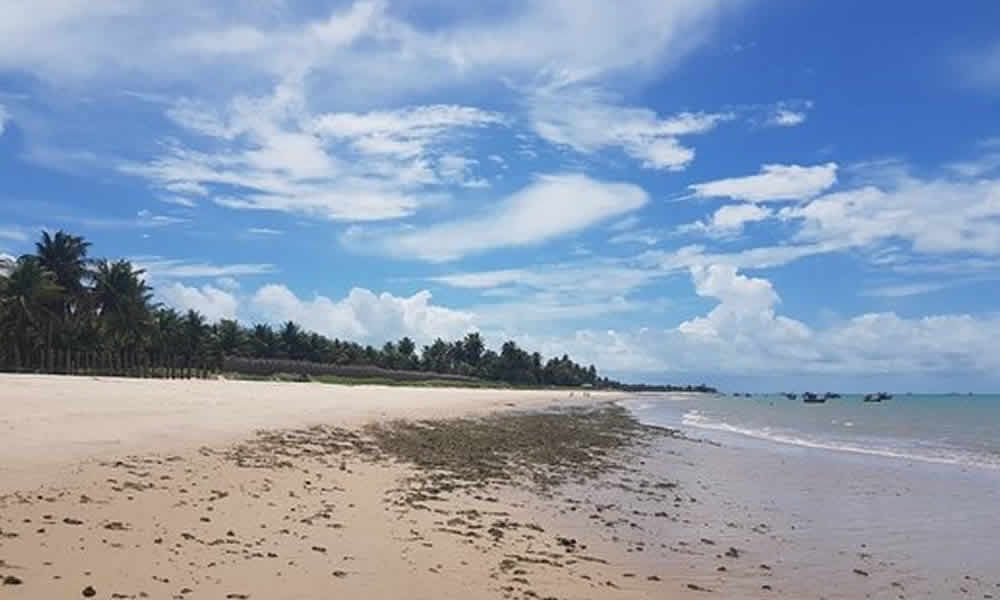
x: 960, y: 430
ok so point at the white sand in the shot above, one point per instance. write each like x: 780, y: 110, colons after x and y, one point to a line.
x: 51, y: 422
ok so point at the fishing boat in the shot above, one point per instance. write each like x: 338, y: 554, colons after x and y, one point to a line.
x: 879, y: 397
x: 811, y: 398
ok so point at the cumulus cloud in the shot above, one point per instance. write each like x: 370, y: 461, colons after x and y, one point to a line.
x: 588, y: 121
x: 934, y: 216
x: 210, y: 301
x: 744, y: 334
x: 363, y: 315
x: 550, y: 207
x: 773, y: 183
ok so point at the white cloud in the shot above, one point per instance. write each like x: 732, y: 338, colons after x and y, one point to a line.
x: 362, y: 315
x: 550, y: 207
x: 981, y: 68
x: 774, y: 183
x: 264, y: 231
x: 406, y: 133
x: 273, y: 153
x: 762, y: 257
x: 787, y: 118
x: 905, y: 290
x: 455, y: 169
x: 162, y: 268
x: 744, y: 335
x: 144, y: 219
x: 360, y: 49
x: 588, y: 121
x: 629, y: 222
x: 14, y: 234
x: 934, y: 216
x: 230, y: 284
x: 729, y: 220
x: 645, y: 237
x: 179, y: 201
x: 210, y: 301
x: 983, y: 165
x: 4, y: 117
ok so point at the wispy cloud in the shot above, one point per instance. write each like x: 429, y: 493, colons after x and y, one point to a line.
x: 144, y: 219
x: 264, y: 231
x: 787, y: 118
x: 550, y: 207
x: 980, y: 68
x: 589, y: 120
x: 14, y: 234
x: 905, y: 290
x: 165, y: 268
x: 773, y: 183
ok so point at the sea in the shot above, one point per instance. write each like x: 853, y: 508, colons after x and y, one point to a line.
x: 948, y: 429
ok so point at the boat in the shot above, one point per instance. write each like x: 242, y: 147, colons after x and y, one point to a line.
x: 811, y: 398
x: 831, y: 395
x: 790, y: 396
x: 879, y: 397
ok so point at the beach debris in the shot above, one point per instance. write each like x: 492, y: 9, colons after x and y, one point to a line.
x: 861, y: 572
x: 72, y: 521
x: 12, y: 580
x: 697, y: 588
x: 733, y: 552
x: 89, y: 592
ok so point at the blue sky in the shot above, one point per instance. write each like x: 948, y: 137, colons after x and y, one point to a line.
x: 749, y: 193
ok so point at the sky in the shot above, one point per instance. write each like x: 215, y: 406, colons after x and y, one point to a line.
x: 755, y: 194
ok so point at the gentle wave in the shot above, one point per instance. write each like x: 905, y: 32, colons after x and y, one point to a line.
x: 694, y: 419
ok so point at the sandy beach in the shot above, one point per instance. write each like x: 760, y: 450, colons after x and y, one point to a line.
x: 222, y: 489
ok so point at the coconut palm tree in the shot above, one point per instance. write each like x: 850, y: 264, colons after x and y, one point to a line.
x: 28, y: 293
x: 124, y: 304
x: 65, y: 256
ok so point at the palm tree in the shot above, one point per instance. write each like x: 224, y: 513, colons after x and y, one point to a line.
x: 123, y: 302
x: 165, y: 335
x: 196, y: 338
x: 28, y: 293
x: 232, y: 338
x: 65, y: 256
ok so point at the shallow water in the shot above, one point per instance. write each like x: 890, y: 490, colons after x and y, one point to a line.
x: 906, y: 493
x: 947, y: 429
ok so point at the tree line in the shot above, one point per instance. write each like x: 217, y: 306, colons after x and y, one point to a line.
x: 58, y: 301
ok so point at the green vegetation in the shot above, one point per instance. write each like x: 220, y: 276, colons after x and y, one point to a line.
x: 59, y: 309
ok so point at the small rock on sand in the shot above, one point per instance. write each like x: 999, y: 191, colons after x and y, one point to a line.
x: 89, y: 592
